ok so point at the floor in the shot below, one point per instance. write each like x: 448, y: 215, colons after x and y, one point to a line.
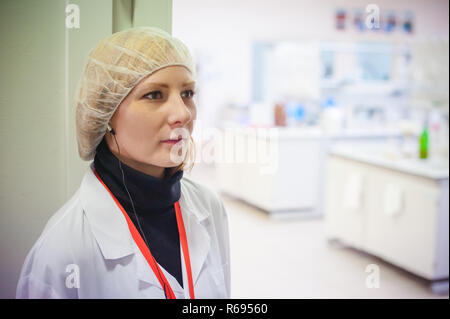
x: 292, y: 258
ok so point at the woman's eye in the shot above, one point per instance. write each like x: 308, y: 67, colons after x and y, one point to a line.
x: 157, y: 94
x: 191, y: 93
x: 152, y: 95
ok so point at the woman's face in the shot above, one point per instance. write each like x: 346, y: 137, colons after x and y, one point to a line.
x: 161, y: 107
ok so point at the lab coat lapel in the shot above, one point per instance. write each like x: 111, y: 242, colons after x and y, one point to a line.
x: 144, y: 272
x: 195, y: 223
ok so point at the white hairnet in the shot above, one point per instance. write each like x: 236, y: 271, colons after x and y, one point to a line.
x: 113, y: 68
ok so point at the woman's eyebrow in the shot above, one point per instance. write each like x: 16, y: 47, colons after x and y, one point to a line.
x: 167, y: 86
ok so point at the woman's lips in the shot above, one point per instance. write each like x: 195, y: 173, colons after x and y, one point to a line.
x: 172, y: 141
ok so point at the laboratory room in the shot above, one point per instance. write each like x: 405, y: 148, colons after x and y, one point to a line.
x: 243, y: 149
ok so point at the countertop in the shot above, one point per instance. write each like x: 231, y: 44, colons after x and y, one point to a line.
x: 433, y: 168
x: 314, y: 132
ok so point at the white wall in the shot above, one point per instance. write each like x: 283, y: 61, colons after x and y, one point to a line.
x: 41, y: 62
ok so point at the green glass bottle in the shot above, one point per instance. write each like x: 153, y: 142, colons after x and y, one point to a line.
x: 424, y: 143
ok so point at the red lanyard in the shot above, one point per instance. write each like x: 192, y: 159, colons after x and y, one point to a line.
x: 148, y: 255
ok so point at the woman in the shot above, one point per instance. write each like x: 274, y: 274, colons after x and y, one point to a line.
x: 136, y: 228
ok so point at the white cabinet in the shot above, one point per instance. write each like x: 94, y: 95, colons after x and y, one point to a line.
x: 345, y: 201
x: 393, y: 214
x: 283, y: 180
x: 404, y: 233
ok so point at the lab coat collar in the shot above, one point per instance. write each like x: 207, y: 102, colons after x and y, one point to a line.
x: 105, y: 218
x: 111, y: 231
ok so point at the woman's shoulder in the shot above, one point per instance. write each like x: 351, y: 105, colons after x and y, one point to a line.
x: 65, y: 219
x: 197, y: 187
x: 202, y: 194
x: 61, y: 231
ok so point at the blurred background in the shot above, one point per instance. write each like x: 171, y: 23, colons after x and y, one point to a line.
x: 323, y: 125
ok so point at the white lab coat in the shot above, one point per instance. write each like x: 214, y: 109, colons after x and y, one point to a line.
x: 86, y: 249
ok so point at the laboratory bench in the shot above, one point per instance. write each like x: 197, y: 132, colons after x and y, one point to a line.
x: 290, y: 180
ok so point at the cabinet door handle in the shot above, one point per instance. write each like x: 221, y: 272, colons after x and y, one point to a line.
x: 354, y: 191
x: 393, y: 199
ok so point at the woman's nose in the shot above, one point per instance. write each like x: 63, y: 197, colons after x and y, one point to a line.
x: 179, y: 112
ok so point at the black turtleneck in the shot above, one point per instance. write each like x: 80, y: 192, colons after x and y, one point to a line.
x: 153, y: 200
